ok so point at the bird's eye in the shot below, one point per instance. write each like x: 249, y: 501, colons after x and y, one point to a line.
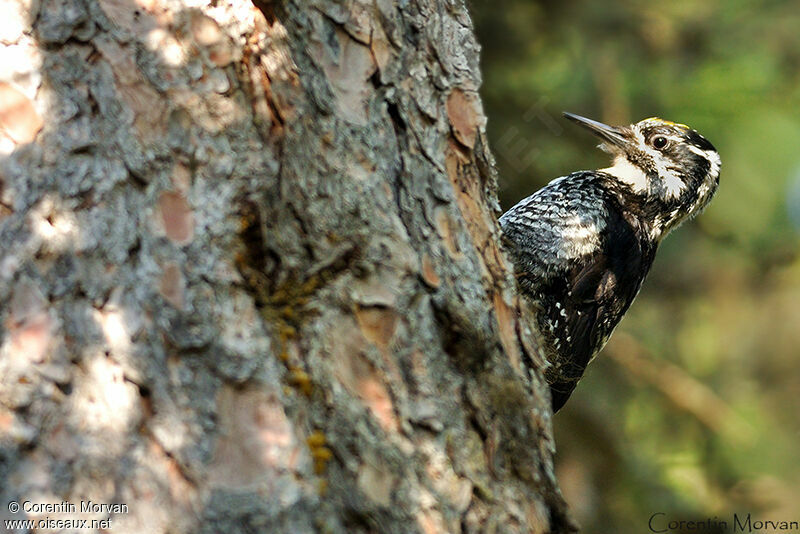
x: 660, y: 142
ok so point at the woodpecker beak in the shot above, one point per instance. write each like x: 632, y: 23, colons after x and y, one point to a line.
x: 611, y: 134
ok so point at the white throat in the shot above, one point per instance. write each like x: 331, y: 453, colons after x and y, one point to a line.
x: 628, y: 173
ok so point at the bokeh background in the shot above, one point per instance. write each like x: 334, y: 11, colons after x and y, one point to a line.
x: 693, y: 409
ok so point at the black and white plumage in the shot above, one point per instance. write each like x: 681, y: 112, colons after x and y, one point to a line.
x: 583, y: 244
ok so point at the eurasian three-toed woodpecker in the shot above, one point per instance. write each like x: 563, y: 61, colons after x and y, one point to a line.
x: 583, y: 244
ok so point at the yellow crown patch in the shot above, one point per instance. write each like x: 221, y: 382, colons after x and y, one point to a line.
x: 668, y: 123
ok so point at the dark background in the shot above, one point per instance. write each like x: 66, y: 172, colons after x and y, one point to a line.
x: 693, y: 409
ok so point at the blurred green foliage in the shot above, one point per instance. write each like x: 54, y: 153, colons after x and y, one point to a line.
x: 693, y: 409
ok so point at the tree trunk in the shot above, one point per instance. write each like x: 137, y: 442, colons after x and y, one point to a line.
x: 250, y: 277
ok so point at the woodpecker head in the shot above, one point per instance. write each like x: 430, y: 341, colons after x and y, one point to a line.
x: 672, y: 167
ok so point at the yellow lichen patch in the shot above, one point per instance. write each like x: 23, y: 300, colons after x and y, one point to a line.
x: 286, y: 332
x: 300, y: 380
x: 284, y: 305
x: 321, y: 456
x: 319, y: 452
x: 316, y: 439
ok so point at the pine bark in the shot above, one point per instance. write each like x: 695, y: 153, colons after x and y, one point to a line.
x: 250, y: 273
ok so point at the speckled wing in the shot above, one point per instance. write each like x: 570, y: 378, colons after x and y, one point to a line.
x: 558, y: 223
x: 599, y: 290
x: 581, y: 262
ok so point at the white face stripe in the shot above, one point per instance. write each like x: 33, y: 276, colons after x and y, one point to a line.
x: 628, y: 173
